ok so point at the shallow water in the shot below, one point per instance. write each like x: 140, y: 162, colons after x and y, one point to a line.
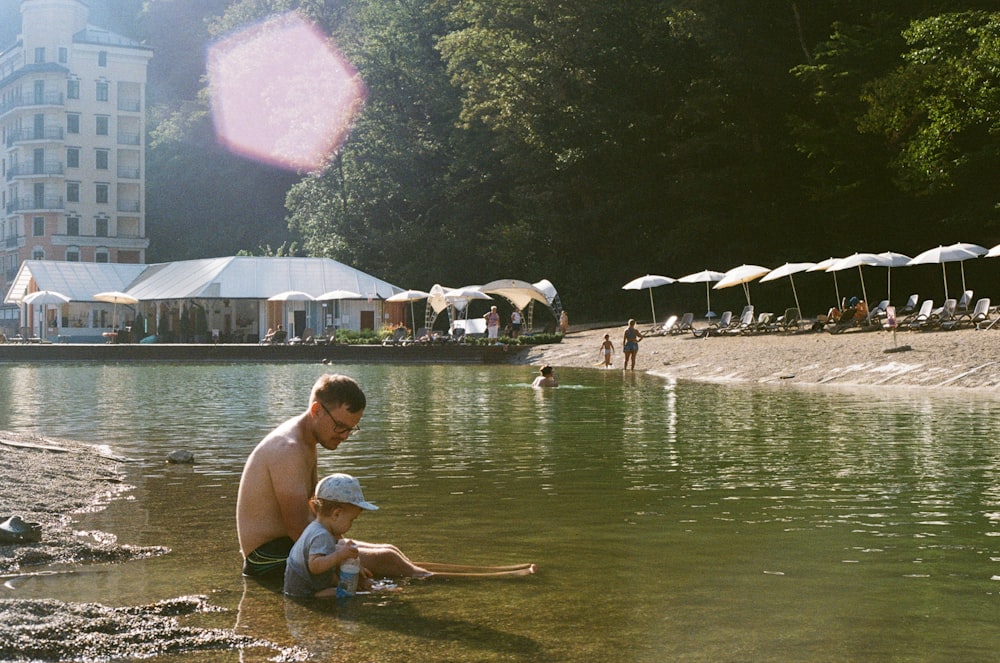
x: 669, y: 521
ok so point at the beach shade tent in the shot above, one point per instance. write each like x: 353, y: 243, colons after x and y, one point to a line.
x: 409, y: 296
x: 824, y: 265
x: 459, y: 298
x: 523, y: 295
x: 945, y: 254
x: 788, y: 269
x: 890, y: 259
x: 648, y: 282
x: 741, y: 275
x: 115, y: 297
x: 705, y: 276
x: 856, y: 260
x: 44, y: 299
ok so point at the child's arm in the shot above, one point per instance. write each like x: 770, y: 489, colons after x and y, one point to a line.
x: 323, y: 563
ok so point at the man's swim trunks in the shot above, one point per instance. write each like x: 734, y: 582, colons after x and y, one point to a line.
x: 268, y: 558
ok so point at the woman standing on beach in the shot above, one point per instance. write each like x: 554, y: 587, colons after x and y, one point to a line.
x: 630, y: 344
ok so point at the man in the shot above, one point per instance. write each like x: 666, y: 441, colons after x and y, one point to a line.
x: 272, y: 507
x: 492, y: 323
x: 546, y: 378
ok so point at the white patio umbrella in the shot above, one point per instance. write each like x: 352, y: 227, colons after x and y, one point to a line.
x: 648, y: 282
x: 994, y: 252
x: 115, y: 297
x: 45, y: 298
x: 291, y: 296
x: 339, y: 294
x: 409, y: 296
x: 856, y: 260
x: 972, y: 248
x: 459, y: 298
x: 741, y: 275
x: 824, y: 265
x: 891, y: 259
x: 705, y: 276
x: 945, y: 254
x: 788, y: 269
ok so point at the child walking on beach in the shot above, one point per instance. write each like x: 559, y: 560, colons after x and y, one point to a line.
x: 607, y: 349
x: 315, y: 559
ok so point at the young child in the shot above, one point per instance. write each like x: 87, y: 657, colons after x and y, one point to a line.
x: 315, y: 559
x: 607, y: 349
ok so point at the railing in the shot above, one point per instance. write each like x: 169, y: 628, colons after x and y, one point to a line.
x: 22, y: 135
x: 128, y: 206
x: 133, y: 105
x: 128, y: 173
x: 46, y: 99
x: 29, y: 204
x: 27, y: 170
x: 13, y: 241
x: 129, y: 138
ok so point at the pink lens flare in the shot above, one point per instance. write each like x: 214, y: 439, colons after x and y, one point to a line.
x: 282, y: 94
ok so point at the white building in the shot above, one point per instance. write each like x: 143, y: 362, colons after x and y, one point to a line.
x: 72, y: 104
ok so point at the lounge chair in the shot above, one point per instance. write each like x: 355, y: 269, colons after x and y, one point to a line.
x: 746, y: 322
x: 910, y: 306
x: 686, y: 324
x: 308, y: 337
x: 457, y: 335
x: 276, y: 338
x: 790, y: 320
x: 964, y: 302
x: 399, y: 335
x: 915, y: 320
x: 666, y: 328
x: 942, y: 316
x: 714, y: 327
x: 979, y: 315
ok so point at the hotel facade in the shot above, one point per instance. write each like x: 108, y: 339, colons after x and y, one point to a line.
x: 72, y: 125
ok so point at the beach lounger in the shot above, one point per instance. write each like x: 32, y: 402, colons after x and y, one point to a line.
x: 964, y: 302
x: 686, y: 324
x: 915, y: 320
x: 979, y: 314
x: 714, y: 327
x: 746, y: 322
x: 398, y: 336
x: 941, y: 316
x: 910, y: 306
x: 666, y: 328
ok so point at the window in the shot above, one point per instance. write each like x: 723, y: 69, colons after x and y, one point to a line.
x: 73, y: 123
x: 73, y: 225
x: 101, y: 191
x: 38, y: 253
x: 72, y: 157
x: 40, y: 55
x: 72, y: 192
x: 72, y: 89
x: 102, y: 125
x: 102, y: 227
x: 101, y: 256
x: 63, y: 55
x: 38, y: 226
x: 102, y: 58
x: 102, y: 90
x: 101, y: 159
x: 73, y: 254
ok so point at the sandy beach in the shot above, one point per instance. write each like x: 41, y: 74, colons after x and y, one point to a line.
x: 959, y: 359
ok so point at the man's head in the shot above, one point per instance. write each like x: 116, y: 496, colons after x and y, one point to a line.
x: 546, y: 371
x: 336, y: 405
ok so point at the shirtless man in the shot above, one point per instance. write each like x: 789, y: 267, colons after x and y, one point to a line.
x: 546, y: 378
x: 272, y: 507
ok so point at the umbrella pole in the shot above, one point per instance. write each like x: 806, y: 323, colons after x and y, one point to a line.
x: 944, y: 276
x: 746, y: 291
x: 888, y: 285
x: 708, y: 298
x: 836, y: 287
x: 864, y: 293
x: 796, y: 295
x: 961, y: 264
x: 653, y: 310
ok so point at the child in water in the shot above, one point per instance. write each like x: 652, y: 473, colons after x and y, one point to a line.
x: 607, y: 349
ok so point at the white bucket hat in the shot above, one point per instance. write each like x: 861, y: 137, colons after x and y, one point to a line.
x: 343, y: 488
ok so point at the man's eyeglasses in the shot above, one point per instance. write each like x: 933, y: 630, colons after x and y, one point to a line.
x: 339, y: 428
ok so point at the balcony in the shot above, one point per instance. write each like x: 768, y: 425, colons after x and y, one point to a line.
x: 129, y: 206
x: 13, y: 242
x: 49, y: 168
x: 46, y: 99
x: 24, y: 135
x: 130, y: 105
x: 36, y: 204
x: 125, y: 138
x: 127, y: 173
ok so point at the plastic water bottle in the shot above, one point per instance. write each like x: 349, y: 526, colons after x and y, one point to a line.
x: 350, y: 569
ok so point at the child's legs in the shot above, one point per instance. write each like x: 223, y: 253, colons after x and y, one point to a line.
x: 385, y: 559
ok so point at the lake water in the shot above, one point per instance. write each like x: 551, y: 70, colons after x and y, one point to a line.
x: 678, y: 522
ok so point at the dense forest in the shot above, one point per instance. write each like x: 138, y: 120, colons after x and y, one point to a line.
x: 591, y: 142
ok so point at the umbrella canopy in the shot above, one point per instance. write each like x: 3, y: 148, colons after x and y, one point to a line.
x: 856, y: 260
x: 788, y: 269
x: 291, y: 296
x: 409, y: 296
x: 115, y: 297
x: 339, y: 294
x: 944, y: 254
x: 45, y: 297
x: 890, y: 259
x: 705, y: 276
x: 741, y: 275
x: 994, y: 252
x: 649, y: 281
x: 460, y: 297
x: 823, y: 266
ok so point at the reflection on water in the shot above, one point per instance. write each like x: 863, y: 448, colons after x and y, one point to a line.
x: 669, y: 521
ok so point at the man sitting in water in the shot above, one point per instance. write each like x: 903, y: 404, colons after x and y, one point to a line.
x: 546, y: 379
x: 272, y: 507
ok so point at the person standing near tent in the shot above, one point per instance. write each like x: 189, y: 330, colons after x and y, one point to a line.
x: 563, y: 322
x: 492, y: 323
x: 630, y: 344
x: 515, y: 324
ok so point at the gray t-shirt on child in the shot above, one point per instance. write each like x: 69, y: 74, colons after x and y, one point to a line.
x: 315, y: 540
